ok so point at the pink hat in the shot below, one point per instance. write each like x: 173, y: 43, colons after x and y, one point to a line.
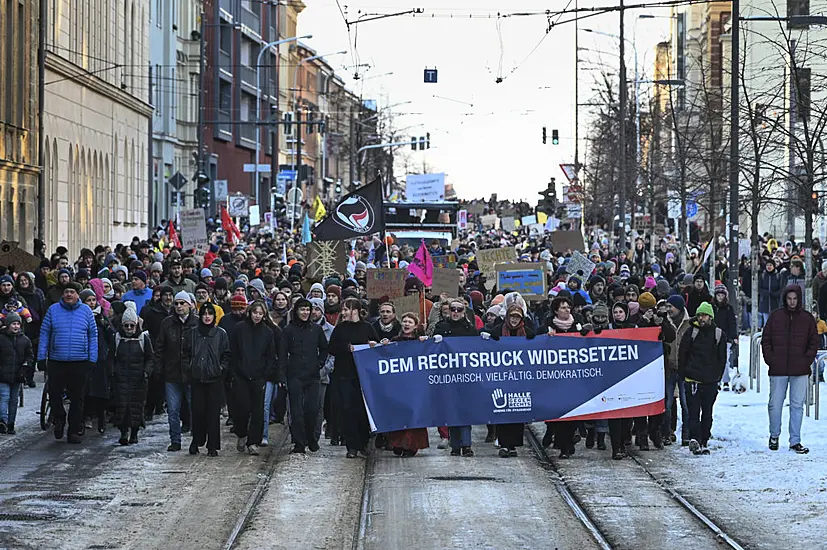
x: 650, y: 283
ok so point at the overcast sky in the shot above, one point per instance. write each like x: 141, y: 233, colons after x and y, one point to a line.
x: 494, y: 146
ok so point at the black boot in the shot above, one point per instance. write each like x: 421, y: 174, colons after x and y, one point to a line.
x: 548, y: 439
x: 101, y: 423
x: 590, y: 438
x: 133, y: 436
x: 618, y: 452
x: 657, y: 440
x: 124, y: 440
x: 492, y: 433
x: 601, y: 441
x: 642, y: 441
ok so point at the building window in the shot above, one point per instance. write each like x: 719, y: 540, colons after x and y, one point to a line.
x: 248, y: 107
x: 9, y: 69
x: 159, y: 81
x: 801, y: 89
x: 225, y: 96
x: 225, y: 39
x: 797, y: 9
x: 244, y: 53
x: 288, y: 127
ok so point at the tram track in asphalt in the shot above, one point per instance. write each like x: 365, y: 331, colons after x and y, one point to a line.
x: 594, y: 516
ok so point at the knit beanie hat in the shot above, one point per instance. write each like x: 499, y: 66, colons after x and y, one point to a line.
x: 156, y: 266
x: 206, y: 273
x: 130, y: 315
x: 139, y: 275
x: 317, y: 303
x: 183, y: 296
x: 677, y: 302
x: 722, y: 289
x: 646, y: 301
x: 12, y: 317
x: 705, y: 308
x: 238, y: 303
x: 600, y: 310
x: 86, y: 294
x: 7, y: 279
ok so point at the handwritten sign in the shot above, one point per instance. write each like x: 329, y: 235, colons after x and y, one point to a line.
x: 445, y: 281
x: 445, y: 260
x: 527, y: 279
x: 562, y: 241
x: 193, y: 230
x: 407, y: 304
x: 462, y: 220
x: 486, y: 259
x: 489, y: 221
x: 580, y: 266
x: 508, y: 224
x: 386, y: 282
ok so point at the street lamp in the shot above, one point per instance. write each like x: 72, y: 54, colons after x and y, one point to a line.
x: 258, y: 97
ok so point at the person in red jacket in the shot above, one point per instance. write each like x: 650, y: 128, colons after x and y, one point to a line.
x: 789, y: 345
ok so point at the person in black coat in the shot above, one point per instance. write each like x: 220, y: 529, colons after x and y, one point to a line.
x: 457, y: 324
x: 697, y: 294
x: 725, y: 320
x: 304, y: 355
x: 350, y: 331
x: 16, y: 362
x: 134, y: 360
x: 153, y: 314
x: 253, y: 361
x: 99, y: 380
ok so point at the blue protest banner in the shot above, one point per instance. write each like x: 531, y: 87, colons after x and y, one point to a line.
x: 527, y: 279
x: 461, y: 381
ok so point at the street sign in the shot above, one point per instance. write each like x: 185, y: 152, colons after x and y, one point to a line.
x: 691, y: 209
x: 569, y: 171
x: 574, y: 210
x: 177, y: 181
x: 287, y: 175
x: 294, y: 202
x: 261, y: 168
x: 430, y: 76
x: 255, y: 215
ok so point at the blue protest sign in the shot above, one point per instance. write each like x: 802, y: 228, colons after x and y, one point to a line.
x: 468, y: 380
x: 527, y: 279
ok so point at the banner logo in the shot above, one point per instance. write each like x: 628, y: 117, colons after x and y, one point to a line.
x: 511, y: 402
x: 356, y: 214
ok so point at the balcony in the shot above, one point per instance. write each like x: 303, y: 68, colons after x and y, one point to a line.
x: 226, y: 5
x: 13, y: 145
x: 223, y: 130
x: 250, y: 19
x: 248, y: 77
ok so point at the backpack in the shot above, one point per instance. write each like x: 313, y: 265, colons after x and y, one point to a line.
x: 718, y: 334
x: 140, y: 339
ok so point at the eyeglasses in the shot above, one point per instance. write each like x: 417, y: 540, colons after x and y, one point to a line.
x: 129, y: 325
x: 181, y: 303
x: 457, y: 309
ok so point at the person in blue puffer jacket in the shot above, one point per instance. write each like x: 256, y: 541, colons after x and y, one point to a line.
x: 69, y: 344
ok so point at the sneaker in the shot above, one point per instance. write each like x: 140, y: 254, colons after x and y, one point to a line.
x: 590, y: 439
x: 124, y: 439
x: 773, y: 443
x: 643, y: 443
x: 241, y: 444
x: 59, y: 431
x: 601, y: 442
x: 252, y: 450
x: 456, y: 452
x: 694, y: 446
x: 704, y: 450
x: 443, y: 444
x: 726, y: 386
x: 194, y: 449
x: 618, y: 454
x: 503, y: 453
x: 512, y: 452
x: 212, y: 453
x: 10, y: 429
x: 799, y: 448
x: 467, y: 452
x: 298, y: 449
x: 548, y: 438
x: 3, y: 427
x: 174, y: 447
x: 264, y: 442
x: 684, y: 443
x: 313, y: 446
x: 564, y: 454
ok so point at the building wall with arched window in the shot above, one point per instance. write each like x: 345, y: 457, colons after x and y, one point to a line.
x: 97, y: 125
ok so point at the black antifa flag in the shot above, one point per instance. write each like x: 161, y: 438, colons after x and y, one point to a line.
x: 358, y: 214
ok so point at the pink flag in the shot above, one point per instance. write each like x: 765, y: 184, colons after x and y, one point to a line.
x: 422, y: 266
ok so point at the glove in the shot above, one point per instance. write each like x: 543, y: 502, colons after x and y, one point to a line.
x: 485, y: 336
x: 41, y: 365
x: 585, y: 329
x: 437, y: 338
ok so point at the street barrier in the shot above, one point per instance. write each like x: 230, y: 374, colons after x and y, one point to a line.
x: 755, y: 362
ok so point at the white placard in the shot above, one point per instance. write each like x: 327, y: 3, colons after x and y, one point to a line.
x: 220, y: 187
x: 238, y: 206
x: 507, y: 224
x: 528, y: 220
x: 255, y: 215
x: 580, y: 266
x: 462, y: 220
x: 193, y: 229
x: 425, y: 187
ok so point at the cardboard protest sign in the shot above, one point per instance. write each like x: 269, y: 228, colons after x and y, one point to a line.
x: 507, y: 224
x: 580, y: 266
x: 386, y: 282
x: 562, y: 241
x: 489, y: 221
x: 486, y: 259
x: 448, y: 260
x: 407, y: 304
x: 527, y: 279
x: 445, y: 281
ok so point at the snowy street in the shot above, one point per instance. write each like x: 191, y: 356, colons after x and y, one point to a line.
x: 101, y: 495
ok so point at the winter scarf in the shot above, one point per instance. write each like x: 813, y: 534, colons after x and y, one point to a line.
x: 560, y: 324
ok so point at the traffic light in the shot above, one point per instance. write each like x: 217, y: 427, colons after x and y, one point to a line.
x: 816, y: 206
x: 338, y: 187
x: 202, y: 197
x: 548, y: 203
x: 413, y: 143
x: 428, y: 140
x: 544, y: 135
x: 421, y: 143
x: 555, y: 137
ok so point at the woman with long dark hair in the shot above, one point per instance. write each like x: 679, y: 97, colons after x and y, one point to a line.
x: 205, y: 357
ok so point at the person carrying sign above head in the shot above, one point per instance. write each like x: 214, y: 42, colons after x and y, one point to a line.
x: 510, y: 436
x: 457, y: 324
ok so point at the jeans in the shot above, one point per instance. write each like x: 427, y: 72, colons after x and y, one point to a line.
x: 672, y: 380
x: 778, y: 392
x: 729, y: 365
x: 320, y: 417
x: 460, y: 437
x: 175, y: 392
x: 700, y: 399
x: 9, y: 397
x: 762, y: 319
x: 746, y: 318
x: 271, y: 389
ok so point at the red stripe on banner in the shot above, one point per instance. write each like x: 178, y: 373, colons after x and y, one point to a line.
x: 650, y: 409
x: 650, y: 334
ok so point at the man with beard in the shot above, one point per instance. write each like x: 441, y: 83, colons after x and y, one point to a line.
x: 55, y: 293
x: 387, y: 325
x: 177, y: 280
